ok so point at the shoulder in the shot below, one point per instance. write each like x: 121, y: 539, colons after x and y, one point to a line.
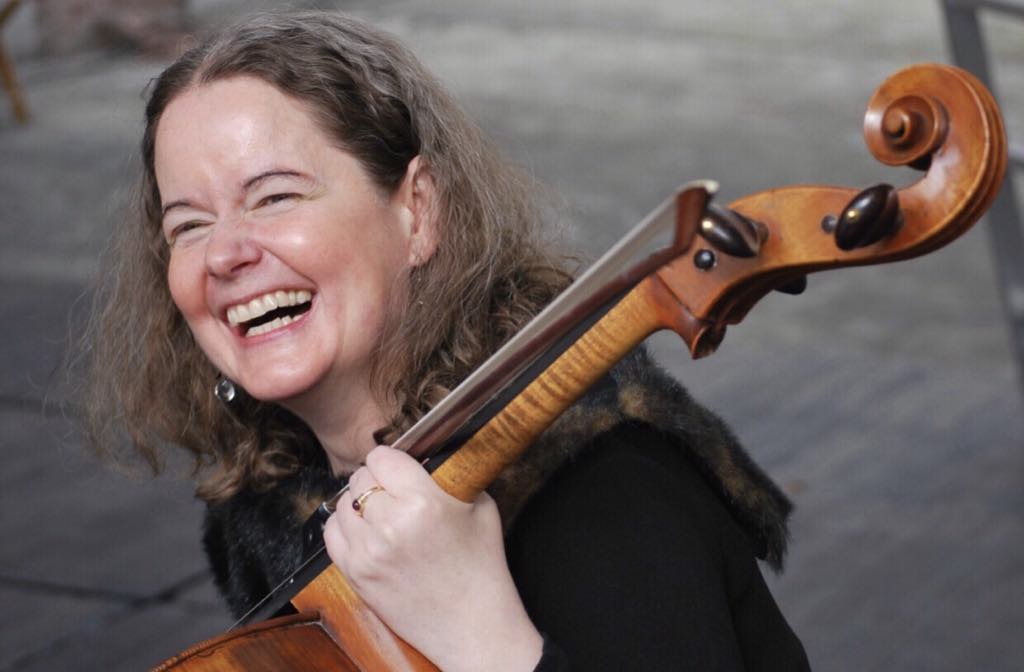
x: 635, y: 488
x: 630, y: 560
x: 611, y: 418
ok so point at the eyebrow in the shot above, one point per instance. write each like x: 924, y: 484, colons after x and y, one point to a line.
x: 248, y: 185
x: 174, y: 204
x: 255, y: 181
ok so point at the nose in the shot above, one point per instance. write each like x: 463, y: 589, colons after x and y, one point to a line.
x: 231, y: 248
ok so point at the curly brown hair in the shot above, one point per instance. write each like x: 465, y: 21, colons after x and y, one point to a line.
x: 490, y: 273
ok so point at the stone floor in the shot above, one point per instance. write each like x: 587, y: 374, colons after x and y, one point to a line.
x: 884, y: 400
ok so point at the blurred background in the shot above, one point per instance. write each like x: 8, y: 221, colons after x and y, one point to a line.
x: 884, y: 400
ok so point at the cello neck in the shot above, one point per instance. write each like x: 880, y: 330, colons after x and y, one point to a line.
x: 648, y: 307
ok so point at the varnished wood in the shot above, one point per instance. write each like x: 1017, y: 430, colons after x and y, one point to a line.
x: 358, y: 630
x: 932, y: 114
x: 279, y: 644
x: 346, y: 636
x: 479, y: 461
x: 964, y: 176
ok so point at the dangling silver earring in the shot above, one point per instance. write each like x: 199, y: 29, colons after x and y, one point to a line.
x: 225, y: 390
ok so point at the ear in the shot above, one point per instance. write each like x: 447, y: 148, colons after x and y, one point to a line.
x: 417, y: 198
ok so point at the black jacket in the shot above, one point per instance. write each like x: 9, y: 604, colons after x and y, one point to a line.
x: 632, y: 526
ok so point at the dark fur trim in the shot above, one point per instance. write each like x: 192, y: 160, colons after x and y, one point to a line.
x: 254, y: 539
x: 638, y: 390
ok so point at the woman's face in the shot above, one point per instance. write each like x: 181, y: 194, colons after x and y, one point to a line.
x: 283, y: 254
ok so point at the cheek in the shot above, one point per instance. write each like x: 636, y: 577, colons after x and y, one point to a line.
x: 186, y: 287
x: 188, y: 291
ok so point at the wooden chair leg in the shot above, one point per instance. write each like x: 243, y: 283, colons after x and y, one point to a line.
x: 10, y: 82
x: 7, y: 76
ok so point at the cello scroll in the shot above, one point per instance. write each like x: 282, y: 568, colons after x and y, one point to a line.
x: 933, y: 117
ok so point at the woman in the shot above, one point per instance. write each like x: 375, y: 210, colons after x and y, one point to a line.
x: 329, y: 242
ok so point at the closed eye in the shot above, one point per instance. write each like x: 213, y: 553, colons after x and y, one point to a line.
x: 275, y: 198
x: 182, y: 229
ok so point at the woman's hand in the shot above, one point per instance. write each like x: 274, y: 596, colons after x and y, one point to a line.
x: 432, y: 567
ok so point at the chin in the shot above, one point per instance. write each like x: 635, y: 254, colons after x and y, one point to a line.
x: 279, y: 390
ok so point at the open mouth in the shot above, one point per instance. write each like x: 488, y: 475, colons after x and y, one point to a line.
x: 271, y: 311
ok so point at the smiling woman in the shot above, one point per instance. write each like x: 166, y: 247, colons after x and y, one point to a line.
x: 261, y: 202
x: 349, y: 115
x: 321, y: 225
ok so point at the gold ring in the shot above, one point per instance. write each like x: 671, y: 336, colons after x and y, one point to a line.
x: 359, y: 503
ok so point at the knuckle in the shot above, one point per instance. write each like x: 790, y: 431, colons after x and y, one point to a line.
x: 422, y: 507
x: 333, y: 537
x: 379, y: 549
x: 360, y: 475
x: 376, y: 455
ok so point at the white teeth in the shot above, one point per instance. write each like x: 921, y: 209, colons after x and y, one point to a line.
x: 238, y: 314
x: 275, y: 323
x: 262, y: 305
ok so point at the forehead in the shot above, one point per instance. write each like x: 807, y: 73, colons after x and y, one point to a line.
x: 239, y: 123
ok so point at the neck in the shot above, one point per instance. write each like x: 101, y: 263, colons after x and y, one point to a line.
x: 343, y: 423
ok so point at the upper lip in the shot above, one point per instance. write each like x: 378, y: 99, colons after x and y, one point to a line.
x: 264, y: 302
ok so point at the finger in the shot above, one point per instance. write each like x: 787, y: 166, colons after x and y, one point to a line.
x: 353, y: 520
x: 361, y: 502
x: 335, y: 540
x: 396, y: 471
x: 344, y: 514
x: 360, y: 480
x: 361, y: 488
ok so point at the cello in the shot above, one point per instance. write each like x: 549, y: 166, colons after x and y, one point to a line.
x: 720, y: 262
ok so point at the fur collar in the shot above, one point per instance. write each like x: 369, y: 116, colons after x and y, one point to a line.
x: 254, y: 539
x: 637, y: 390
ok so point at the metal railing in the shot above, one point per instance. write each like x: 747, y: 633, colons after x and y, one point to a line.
x: 967, y: 44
